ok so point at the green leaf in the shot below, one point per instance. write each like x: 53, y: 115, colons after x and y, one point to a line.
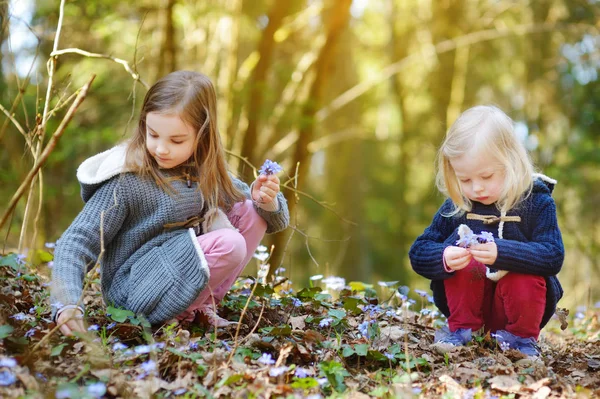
x: 57, y: 350
x: 361, y: 349
x: 29, y: 277
x: 308, y: 293
x: 347, y: 351
x: 45, y: 256
x: 305, y: 383
x: 337, y: 313
x: 232, y: 379
x: 281, y: 331
x: 10, y: 260
x: 5, y: 330
x: 119, y: 315
x: 351, y: 304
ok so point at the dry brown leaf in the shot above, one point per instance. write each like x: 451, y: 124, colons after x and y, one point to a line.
x: 452, y: 387
x: 542, y: 393
x: 297, y: 322
x: 505, y: 383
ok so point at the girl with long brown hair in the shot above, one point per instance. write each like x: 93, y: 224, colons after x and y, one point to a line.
x: 170, y: 227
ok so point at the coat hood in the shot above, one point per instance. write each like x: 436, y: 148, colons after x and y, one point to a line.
x: 94, y: 171
x: 543, y: 184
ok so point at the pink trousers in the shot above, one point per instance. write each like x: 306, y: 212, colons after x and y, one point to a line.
x: 227, y: 252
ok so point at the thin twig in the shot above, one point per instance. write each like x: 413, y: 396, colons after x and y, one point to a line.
x: 247, y: 337
x: 47, y: 150
x: 17, y: 125
x: 237, y: 330
x: 125, y: 64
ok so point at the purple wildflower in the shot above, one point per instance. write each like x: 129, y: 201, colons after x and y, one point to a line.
x: 119, y: 346
x: 504, y: 346
x: 179, y: 391
x: 7, y: 378
x: 325, y: 322
x: 30, y: 333
x: 266, y: 358
x: 277, y: 371
x: 96, y: 389
x: 302, y: 372
x: 468, y: 238
x: 421, y: 293
x: 8, y: 362
x: 111, y: 325
x: 270, y: 168
x: 142, y: 349
x: 390, y: 356
x: 93, y: 327
x: 194, y: 346
x: 363, y: 328
x: 19, y: 316
x: 148, y: 366
x: 296, y: 302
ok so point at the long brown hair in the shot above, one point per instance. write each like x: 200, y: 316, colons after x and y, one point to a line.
x: 191, y: 95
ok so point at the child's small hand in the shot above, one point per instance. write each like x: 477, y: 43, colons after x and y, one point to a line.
x: 265, y: 189
x: 485, y: 253
x: 73, y: 321
x: 457, y: 258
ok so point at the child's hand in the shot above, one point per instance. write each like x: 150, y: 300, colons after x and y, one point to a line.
x: 265, y: 189
x: 485, y: 253
x: 73, y: 321
x: 457, y: 258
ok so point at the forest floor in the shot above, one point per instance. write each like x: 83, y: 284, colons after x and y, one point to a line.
x: 289, y: 344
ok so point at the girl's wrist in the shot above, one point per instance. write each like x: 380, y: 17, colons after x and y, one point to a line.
x: 446, y: 268
x: 66, y: 307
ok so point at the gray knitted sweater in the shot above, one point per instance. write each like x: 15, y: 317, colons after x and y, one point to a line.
x: 145, y: 267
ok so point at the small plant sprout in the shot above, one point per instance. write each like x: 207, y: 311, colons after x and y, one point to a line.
x: 270, y: 168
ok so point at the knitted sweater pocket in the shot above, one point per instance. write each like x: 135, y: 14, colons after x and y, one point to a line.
x: 167, y: 279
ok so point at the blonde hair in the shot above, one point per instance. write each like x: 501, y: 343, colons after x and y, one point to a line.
x: 490, y: 131
x: 190, y: 95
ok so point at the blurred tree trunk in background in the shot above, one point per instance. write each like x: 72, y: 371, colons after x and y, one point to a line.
x: 258, y: 87
x: 167, y: 60
x: 338, y: 15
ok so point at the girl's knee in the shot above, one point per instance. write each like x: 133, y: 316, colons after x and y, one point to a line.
x: 522, y: 285
x: 232, y: 246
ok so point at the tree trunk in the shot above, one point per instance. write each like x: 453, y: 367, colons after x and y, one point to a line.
x: 339, y: 14
x: 258, y: 85
x: 168, y: 49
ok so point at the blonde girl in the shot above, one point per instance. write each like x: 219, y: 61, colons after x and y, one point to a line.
x: 488, y: 179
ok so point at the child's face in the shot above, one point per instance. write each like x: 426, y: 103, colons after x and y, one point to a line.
x: 169, y: 140
x: 481, y: 177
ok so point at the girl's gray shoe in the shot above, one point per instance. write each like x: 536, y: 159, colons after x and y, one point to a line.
x: 446, y: 340
x: 527, y: 346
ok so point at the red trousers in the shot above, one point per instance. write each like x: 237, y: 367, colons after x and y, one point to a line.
x: 515, y: 303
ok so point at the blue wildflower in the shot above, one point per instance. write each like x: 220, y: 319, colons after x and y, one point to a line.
x: 111, y: 325
x: 7, y: 378
x: 96, y: 389
x: 93, y: 327
x: 148, y: 366
x: 266, y: 358
x: 363, y: 328
x: 325, y: 322
x: 421, y: 293
x: 226, y: 346
x: 277, y: 371
x: 296, y: 302
x: 19, y: 316
x: 119, y: 346
x: 142, y: 349
x: 194, y: 346
x: 32, y: 310
x: 179, y: 391
x: 504, y: 346
x: 50, y: 264
x: 30, y: 333
x: 579, y: 315
x: 390, y: 356
x: 416, y: 391
x: 302, y: 372
x: 8, y: 362
x: 270, y: 168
